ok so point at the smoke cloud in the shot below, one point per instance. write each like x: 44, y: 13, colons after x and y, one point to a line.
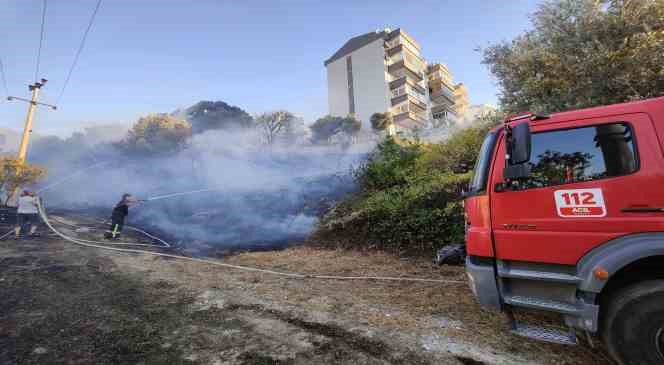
x: 257, y: 196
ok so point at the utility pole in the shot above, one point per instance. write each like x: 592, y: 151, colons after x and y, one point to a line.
x: 27, y: 129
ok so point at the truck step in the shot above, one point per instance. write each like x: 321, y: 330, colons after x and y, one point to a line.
x: 505, y: 272
x: 544, y: 334
x: 543, y: 304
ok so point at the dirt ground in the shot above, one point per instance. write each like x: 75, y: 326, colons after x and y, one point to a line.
x: 66, y: 304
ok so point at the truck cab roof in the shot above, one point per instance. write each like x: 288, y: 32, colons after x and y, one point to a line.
x: 652, y: 106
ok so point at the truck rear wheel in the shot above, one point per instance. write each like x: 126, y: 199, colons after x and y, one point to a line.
x: 634, y: 324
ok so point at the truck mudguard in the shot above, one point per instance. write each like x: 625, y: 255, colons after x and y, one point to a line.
x: 616, y: 254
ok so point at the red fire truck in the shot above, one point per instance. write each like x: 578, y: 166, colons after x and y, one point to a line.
x: 565, y: 214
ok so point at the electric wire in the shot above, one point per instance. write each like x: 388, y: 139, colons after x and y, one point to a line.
x: 99, y: 245
x: 78, y: 52
x: 41, y: 40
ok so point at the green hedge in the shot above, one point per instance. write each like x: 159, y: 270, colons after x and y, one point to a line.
x: 410, y: 196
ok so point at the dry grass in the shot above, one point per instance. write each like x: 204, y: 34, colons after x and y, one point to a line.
x: 405, y: 306
x: 401, y: 308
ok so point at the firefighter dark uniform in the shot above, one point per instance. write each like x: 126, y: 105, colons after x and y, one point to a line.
x: 118, y: 217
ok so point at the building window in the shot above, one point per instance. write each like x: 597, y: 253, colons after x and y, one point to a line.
x: 402, y: 108
x: 440, y: 115
x: 351, y: 95
x: 581, y: 154
x: 399, y: 91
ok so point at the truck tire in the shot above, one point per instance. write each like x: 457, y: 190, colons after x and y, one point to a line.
x: 634, y: 324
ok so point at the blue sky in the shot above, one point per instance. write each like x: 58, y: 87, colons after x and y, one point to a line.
x: 147, y: 56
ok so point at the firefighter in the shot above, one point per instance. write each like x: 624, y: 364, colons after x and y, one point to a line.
x: 27, y: 213
x: 119, y: 215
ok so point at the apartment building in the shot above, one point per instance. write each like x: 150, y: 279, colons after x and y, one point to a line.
x: 385, y: 71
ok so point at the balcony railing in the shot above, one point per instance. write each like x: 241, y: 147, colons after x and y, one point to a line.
x: 443, y: 108
x: 410, y: 120
x: 413, y: 103
x: 419, y: 97
x: 406, y: 81
x: 410, y: 70
x: 443, y: 93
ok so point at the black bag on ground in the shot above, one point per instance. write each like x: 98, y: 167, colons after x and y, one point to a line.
x: 454, y: 254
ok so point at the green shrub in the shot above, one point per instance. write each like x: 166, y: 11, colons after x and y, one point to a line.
x: 389, y: 165
x: 418, y: 217
x: 410, y: 195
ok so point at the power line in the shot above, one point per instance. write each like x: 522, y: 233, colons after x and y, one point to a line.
x: 4, y: 79
x: 41, y: 41
x: 78, y: 53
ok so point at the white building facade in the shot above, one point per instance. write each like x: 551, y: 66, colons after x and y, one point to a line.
x: 378, y: 72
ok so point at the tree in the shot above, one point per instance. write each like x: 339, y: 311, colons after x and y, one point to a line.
x: 156, y: 134
x: 276, y: 123
x: 14, y: 174
x: 326, y: 127
x: 210, y: 115
x: 381, y: 121
x: 582, y: 53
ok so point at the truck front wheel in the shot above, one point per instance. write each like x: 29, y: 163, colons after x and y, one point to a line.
x: 634, y: 324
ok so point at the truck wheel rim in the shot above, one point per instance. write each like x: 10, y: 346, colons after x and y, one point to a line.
x: 659, y: 342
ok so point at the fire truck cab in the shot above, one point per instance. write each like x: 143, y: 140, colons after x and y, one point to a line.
x: 565, y: 214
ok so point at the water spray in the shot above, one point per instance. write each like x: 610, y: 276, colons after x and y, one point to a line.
x: 69, y: 177
x: 158, y: 197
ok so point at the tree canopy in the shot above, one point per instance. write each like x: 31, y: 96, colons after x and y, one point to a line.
x: 209, y: 115
x: 275, y: 124
x: 380, y: 121
x: 582, y: 53
x: 14, y: 174
x: 156, y: 134
x: 328, y: 126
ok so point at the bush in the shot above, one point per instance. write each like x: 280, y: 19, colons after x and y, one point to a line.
x: 410, y: 196
x: 156, y: 134
x: 389, y: 165
x: 326, y: 127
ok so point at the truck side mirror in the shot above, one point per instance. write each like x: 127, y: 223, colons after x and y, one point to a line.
x: 518, y: 147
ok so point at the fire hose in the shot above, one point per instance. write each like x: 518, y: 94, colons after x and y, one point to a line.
x: 163, y: 243
x: 6, y: 234
x: 103, y: 246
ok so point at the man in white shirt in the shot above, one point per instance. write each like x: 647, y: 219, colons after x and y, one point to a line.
x: 28, y: 212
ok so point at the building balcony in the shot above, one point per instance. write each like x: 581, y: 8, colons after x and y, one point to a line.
x: 442, y: 108
x: 400, y: 49
x: 438, y: 69
x: 392, y: 50
x: 414, y: 104
x: 409, y: 70
x: 438, y: 82
x: 443, y: 96
x: 409, y: 120
x: 407, y: 81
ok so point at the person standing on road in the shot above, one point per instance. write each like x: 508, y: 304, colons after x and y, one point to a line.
x: 120, y: 213
x: 28, y: 213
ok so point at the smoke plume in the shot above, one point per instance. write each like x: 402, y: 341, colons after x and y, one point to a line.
x: 255, y: 195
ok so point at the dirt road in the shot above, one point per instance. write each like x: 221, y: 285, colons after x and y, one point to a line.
x: 64, y: 304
